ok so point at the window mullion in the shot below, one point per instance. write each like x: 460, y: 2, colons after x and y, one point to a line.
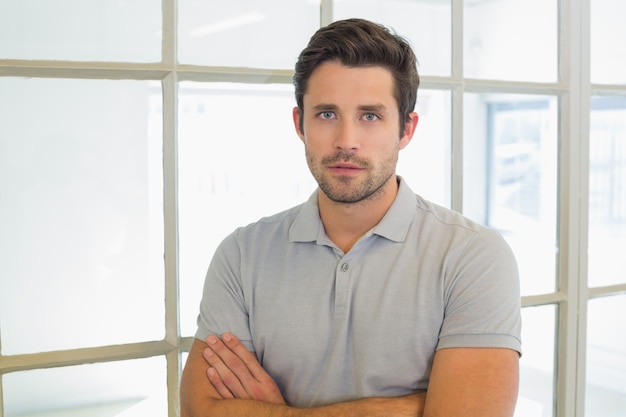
x: 326, y: 12
x: 1, y: 397
x: 456, y: 163
x: 170, y: 201
x: 457, y: 40
x: 574, y: 138
x: 582, y: 188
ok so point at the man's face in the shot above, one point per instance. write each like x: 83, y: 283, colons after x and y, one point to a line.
x: 350, y: 130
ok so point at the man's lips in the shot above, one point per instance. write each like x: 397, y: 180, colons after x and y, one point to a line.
x: 345, y: 166
x: 345, y: 169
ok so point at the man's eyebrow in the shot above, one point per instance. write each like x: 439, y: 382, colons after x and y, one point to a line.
x: 325, y: 106
x: 376, y: 108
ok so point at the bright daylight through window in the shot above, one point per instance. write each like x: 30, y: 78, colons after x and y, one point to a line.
x: 135, y: 135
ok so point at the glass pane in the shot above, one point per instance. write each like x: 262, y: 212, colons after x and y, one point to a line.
x: 81, y: 213
x: 235, y: 166
x: 86, y: 30
x: 425, y: 162
x: 608, y: 55
x: 134, y: 388
x: 606, y: 357
x: 426, y: 23
x: 537, y: 377
x: 510, y: 178
x: 511, y: 39
x: 245, y: 33
x: 607, y: 191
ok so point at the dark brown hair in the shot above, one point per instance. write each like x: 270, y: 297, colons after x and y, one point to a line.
x: 361, y: 43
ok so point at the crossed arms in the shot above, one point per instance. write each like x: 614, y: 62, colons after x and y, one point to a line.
x: 222, y: 378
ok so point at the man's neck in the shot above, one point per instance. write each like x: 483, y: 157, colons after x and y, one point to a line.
x: 346, y: 223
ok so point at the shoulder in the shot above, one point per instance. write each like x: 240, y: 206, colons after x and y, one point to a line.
x: 426, y: 214
x: 457, y: 235
x: 255, y: 241
x: 432, y: 216
x: 257, y: 235
x: 444, y: 217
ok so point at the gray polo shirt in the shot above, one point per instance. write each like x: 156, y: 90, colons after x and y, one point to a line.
x: 330, y: 326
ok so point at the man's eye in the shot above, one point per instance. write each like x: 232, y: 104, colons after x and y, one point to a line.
x: 327, y: 115
x: 370, y: 117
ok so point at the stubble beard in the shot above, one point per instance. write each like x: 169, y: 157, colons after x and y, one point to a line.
x: 348, y: 189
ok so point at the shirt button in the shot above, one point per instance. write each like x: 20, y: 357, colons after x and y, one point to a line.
x: 344, y: 267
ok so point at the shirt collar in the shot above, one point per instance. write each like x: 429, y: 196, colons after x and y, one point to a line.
x: 395, y: 224
x: 307, y: 226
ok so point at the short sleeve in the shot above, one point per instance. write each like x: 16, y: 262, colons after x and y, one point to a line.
x: 483, y: 305
x: 223, y: 307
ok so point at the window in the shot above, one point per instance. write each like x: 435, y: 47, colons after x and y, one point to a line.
x: 134, y: 135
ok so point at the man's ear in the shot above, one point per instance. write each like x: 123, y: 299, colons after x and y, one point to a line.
x: 296, y: 122
x: 409, y: 129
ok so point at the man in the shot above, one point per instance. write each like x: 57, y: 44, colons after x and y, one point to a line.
x: 366, y: 300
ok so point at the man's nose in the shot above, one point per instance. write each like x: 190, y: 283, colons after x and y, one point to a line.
x: 346, y: 137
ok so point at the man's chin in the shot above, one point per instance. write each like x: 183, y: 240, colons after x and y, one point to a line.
x: 346, y: 196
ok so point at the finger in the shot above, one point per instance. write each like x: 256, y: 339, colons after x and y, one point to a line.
x: 248, y: 358
x: 257, y: 382
x: 235, y: 359
x: 227, y: 365
x: 218, y: 384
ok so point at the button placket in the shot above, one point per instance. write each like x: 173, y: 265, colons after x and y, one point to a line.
x: 342, y: 287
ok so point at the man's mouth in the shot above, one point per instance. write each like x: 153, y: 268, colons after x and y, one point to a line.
x: 345, y: 166
x: 345, y: 169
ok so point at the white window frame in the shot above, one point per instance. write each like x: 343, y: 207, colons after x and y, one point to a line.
x: 573, y: 89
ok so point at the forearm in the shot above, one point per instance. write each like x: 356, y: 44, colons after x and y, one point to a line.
x: 235, y: 385
x: 406, y: 406
x: 411, y: 405
x: 473, y: 382
x: 236, y: 408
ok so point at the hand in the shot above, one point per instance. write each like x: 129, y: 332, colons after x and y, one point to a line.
x: 235, y: 372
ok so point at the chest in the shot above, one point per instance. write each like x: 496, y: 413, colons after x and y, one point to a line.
x: 354, y: 320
